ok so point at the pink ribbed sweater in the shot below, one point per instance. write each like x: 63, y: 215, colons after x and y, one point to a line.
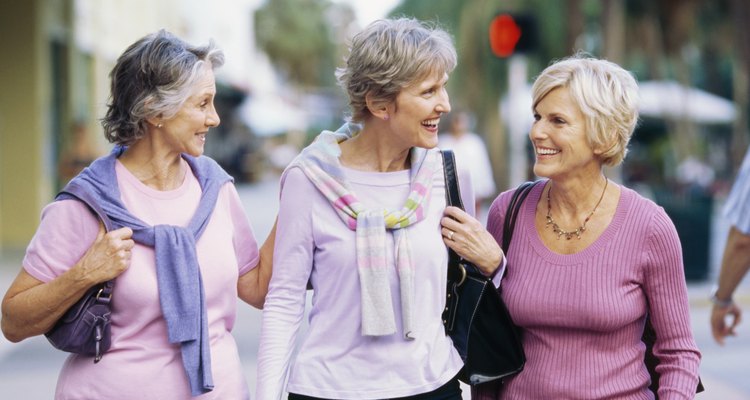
x: 583, y: 314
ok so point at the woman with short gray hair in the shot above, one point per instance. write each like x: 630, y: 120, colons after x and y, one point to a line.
x: 166, y: 224
x: 359, y: 222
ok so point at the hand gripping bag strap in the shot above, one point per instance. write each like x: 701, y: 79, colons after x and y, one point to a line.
x: 475, y: 317
x: 452, y: 191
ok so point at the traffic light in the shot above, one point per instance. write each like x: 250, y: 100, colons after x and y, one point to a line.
x: 511, y: 34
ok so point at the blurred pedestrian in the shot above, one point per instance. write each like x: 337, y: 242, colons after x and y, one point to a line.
x: 590, y: 260
x: 177, y: 243
x: 736, y: 260
x: 471, y: 154
x: 359, y: 217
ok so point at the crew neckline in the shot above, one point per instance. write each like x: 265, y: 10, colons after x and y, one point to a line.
x: 126, y: 177
x: 372, y: 178
x: 529, y: 210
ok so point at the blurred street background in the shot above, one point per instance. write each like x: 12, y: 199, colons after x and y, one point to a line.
x: 277, y: 90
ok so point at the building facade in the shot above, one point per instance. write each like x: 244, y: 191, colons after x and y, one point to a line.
x: 54, y: 79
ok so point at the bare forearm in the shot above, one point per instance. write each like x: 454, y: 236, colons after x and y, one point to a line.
x: 32, y: 307
x: 734, y: 264
x: 253, y: 286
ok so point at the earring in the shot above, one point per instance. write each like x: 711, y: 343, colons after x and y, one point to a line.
x: 159, y: 125
x: 385, y: 118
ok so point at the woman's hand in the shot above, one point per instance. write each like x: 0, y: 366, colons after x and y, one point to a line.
x: 719, y: 327
x: 108, y: 256
x: 470, y: 240
x: 31, y: 307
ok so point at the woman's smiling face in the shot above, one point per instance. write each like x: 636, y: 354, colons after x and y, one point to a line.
x: 415, y: 115
x: 559, y: 136
x: 186, y: 131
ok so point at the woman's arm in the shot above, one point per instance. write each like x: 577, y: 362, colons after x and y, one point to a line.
x: 669, y: 311
x: 254, y: 263
x: 252, y: 287
x: 734, y: 266
x: 464, y: 234
x: 292, y: 265
x: 31, y: 307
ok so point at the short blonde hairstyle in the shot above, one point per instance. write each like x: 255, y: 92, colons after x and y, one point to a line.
x: 607, y: 95
x: 389, y: 55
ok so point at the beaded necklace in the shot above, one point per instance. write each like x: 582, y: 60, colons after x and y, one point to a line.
x: 578, y: 232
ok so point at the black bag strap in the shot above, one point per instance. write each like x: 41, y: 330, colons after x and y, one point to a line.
x: 452, y: 188
x: 509, y: 224
x: 452, y: 191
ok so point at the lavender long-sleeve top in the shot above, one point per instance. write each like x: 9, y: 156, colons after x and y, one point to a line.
x: 334, y: 359
x: 583, y: 314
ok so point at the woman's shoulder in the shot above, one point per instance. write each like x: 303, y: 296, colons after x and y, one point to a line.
x: 67, y: 212
x: 294, y: 182
x: 639, y: 204
x: 66, y: 230
x: 501, y: 202
x: 499, y: 206
x: 644, y: 214
x: 292, y: 176
x: 208, y: 167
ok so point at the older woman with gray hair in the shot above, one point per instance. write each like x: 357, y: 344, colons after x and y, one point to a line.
x: 166, y: 224
x: 359, y: 223
x: 590, y: 259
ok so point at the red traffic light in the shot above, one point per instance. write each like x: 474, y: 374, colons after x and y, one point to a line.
x: 504, y: 35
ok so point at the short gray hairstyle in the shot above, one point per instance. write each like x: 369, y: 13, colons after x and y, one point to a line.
x: 606, y: 94
x: 153, y: 77
x: 389, y: 55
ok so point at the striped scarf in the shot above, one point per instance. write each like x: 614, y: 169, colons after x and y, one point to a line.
x: 320, y: 163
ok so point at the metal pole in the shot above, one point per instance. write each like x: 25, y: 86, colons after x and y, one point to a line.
x: 518, y: 118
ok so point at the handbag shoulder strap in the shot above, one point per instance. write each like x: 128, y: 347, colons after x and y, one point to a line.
x: 453, y: 198
x: 452, y: 191
x: 452, y: 188
x: 512, y: 213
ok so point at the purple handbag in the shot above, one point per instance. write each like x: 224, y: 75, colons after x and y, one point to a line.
x: 85, y: 327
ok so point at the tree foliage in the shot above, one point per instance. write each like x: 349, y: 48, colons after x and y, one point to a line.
x: 684, y: 40
x: 296, y: 36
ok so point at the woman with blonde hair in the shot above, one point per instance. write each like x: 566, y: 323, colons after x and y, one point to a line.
x: 590, y: 260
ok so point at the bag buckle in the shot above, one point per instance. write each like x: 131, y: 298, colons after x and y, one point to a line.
x: 100, y: 293
x: 463, y: 275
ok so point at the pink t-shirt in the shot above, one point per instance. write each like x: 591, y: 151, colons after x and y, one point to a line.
x: 142, y: 364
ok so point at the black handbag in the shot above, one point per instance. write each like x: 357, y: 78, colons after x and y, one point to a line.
x: 85, y: 327
x: 475, y: 316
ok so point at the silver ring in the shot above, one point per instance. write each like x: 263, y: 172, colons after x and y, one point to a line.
x: 450, y: 235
